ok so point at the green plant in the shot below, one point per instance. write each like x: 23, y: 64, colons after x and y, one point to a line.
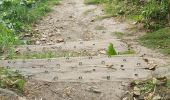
x: 153, y: 13
x: 7, y: 38
x: 111, y: 51
x: 158, y: 40
x: 17, y: 17
x: 10, y: 79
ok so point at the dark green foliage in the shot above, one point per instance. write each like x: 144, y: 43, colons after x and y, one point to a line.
x: 111, y: 51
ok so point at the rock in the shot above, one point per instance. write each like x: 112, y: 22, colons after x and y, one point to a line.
x: 125, y: 98
x: 70, y: 16
x: 153, y: 67
x: 43, y: 39
x: 28, y: 35
x: 51, y: 35
x: 36, y: 30
x: 157, y: 97
x: 141, y: 97
x: 44, y: 36
x: 146, y: 60
x: 161, y: 81
x: 37, y: 42
x: 94, y: 90
x: 17, y: 51
x: 22, y: 98
x: 110, y: 66
x: 60, y: 40
x: 134, y: 23
x: 136, y: 91
x: 50, y: 43
x: 102, y: 51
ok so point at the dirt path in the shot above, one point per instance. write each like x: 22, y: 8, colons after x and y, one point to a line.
x: 74, y: 26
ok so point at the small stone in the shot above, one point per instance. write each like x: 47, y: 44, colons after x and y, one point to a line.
x: 92, y: 20
x: 44, y: 36
x: 43, y: 39
x: 108, y: 77
x: 134, y: 23
x: 103, y: 62
x: 17, y: 51
x: 70, y: 16
x: 136, y: 75
x: 80, y: 77
x: 157, y: 97
x: 27, y: 35
x: 36, y: 30
x: 94, y: 90
x: 60, y: 40
x: 153, y: 67
x: 110, y: 66
x: 22, y: 98
x: 55, y: 78
x: 146, y: 60
x: 125, y: 98
x: 124, y: 60
x: 80, y: 63
x: 102, y: 51
x: 90, y: 57
x: 37, y: 42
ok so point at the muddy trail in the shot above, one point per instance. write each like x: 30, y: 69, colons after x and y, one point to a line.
x: 83, y: 71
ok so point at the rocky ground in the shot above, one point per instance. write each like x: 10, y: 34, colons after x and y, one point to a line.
x: 71, y: 27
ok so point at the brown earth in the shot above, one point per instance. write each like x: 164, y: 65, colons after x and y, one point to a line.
x: 74, y: 26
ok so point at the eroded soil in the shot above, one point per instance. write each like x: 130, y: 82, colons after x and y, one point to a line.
x: 73, y: 26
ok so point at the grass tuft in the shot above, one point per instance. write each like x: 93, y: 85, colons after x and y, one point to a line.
x: 111, y: 50
x: 12, y: 80
x: 158, y: 40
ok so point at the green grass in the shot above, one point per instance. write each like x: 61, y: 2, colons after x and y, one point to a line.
x: 111, y: 50
x: 17, y: 19
x: 159, y: 40
x: 127, y: 52
x: 99, y: 27
x: 7, y: 38
x: 47, y: 54
x: 92, y: 1
x: 11, y: 79
x: 153, y: 14
x: 119, y: 34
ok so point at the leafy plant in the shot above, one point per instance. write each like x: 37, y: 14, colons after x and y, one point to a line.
x: 111, y: 50
x: 17, y: 16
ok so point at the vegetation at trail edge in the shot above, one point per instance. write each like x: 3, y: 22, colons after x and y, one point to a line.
x: 153, y: 14
x: 11, y: 80
x: 17, y: 17
x: 152, y: 89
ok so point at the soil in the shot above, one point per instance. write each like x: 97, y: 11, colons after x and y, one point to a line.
x: 74, y: 26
